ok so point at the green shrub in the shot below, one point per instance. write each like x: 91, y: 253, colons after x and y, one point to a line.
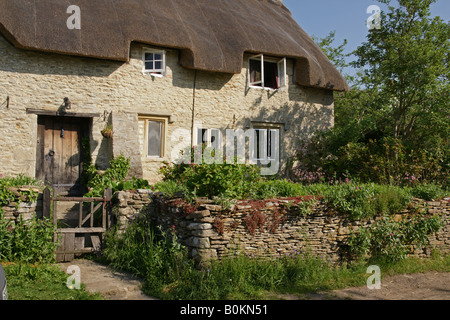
x: 148, y: 252
x: 391, y: 240
x: 27, y: 241
x: 361, y: 201
x: 114, y: 177
x: 276, y: 188
x: 428, y: 191
x: 370, y: 157
x: 169, y: 188
x: 213, y: 179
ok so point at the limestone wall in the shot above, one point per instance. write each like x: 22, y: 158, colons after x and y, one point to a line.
x: 23, y: 210
x: 269, y: 228
x: 120, y: 92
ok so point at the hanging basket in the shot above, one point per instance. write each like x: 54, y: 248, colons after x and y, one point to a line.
x: 107, y: 133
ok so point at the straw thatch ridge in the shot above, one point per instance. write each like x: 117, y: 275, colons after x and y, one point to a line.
x: 211, y: 35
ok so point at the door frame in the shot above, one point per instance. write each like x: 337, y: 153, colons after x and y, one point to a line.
x: 85, y: 123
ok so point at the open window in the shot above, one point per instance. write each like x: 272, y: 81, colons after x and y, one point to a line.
x: 154, y: 62
x: 267, y: 73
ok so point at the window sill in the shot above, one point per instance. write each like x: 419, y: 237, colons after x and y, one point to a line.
x: 153, y: 159
x: 267, y: 88
x: 157, y: 75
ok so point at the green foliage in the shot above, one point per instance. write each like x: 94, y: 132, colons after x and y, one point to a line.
x: 335, y: 54
x: 170, y: 188
x: 394, y: 124
x: 406, y: 66
x: 149, y: 253
x: 10, y: 194
x: 428, y: 192
x: 212, y: 179
x: 267, y: 189
x: 27, y: 241
x: 361, y: 201
x: 114, y: 177
x: 391, y: 240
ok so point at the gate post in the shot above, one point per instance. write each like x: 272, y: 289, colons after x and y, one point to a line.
x: 107, y: 196
x: 46, y: 203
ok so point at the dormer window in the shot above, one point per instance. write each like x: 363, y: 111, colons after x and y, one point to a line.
x: 154, y: 62
x: 267, y: 73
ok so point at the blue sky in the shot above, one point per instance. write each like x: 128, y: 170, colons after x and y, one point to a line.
x: 346, y: 17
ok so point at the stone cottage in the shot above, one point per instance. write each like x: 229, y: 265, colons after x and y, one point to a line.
x: 163, y: 75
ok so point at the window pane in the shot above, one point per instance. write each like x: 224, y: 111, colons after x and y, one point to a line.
x: 271, y: 75
x: 148, y: 56
x: 255, y: 72
x: 273, y: 144
x: 260, y: 144
x: 216, y: 139
x: 202, y: 136
x: 154, y: 138
x: 154, y: 61
x: 282, y: 79
x: 149, y: 65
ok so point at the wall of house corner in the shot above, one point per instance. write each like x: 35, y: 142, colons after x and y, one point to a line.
x: 121, y: 92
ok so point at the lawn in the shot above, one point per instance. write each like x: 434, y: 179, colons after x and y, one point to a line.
x: 41, y: 282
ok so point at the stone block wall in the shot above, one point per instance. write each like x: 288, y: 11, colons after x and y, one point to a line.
x: 25, y: 210
x: 269, y: 228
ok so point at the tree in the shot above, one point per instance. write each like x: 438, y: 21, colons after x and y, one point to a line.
x: 406, y: 68
x: 395, y: 121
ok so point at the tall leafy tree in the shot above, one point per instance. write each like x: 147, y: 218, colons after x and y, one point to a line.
x: 405, y: 65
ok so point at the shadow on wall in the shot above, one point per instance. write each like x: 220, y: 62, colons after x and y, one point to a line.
x: 26, y: 61
x: 105, y: 151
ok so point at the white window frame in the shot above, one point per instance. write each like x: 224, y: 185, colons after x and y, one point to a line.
x: 163, y: 121
x: 154, y: 72
x: 281, y: 66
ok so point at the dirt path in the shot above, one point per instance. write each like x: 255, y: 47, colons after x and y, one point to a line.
x: 419, y: 286
x: 112, y: 285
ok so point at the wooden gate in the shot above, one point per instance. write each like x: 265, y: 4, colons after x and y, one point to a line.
x: 88, y: 235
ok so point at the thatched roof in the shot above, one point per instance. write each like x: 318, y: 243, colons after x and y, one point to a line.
x: 212, y: 35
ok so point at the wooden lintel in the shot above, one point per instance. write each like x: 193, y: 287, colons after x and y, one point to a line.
x: 56, y: 113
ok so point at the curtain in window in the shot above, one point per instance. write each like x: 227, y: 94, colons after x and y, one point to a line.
x: 154, y: 138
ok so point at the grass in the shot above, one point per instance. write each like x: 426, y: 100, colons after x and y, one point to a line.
x: 241, y: 277
x: 41, y: 282
x: 169, y: 275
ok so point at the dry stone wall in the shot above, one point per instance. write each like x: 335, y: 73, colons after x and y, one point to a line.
x: 24, y: 210
x: 270, y: 228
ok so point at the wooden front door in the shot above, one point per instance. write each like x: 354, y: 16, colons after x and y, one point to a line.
x: 59, y: 152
